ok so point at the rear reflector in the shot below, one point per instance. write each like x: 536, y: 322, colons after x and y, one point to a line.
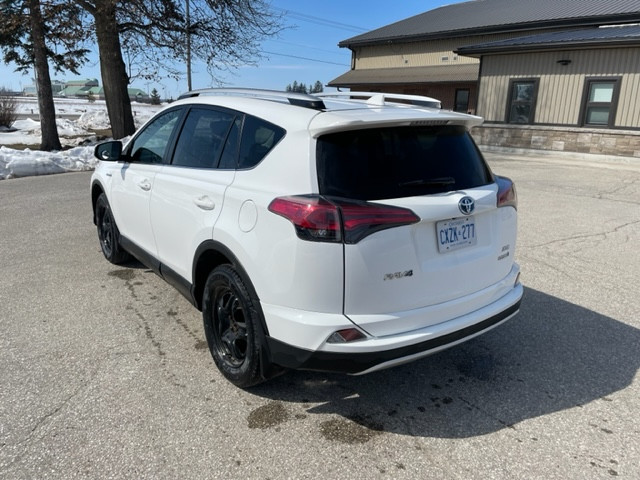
x: 507, y: 196
x: 346, y: 335
x: 323, y: 219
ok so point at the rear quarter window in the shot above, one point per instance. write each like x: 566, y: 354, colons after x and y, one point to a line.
x: 258, y: 139
x: 384, y: 163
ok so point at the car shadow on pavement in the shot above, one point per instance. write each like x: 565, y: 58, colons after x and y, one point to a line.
x: 552, y: 356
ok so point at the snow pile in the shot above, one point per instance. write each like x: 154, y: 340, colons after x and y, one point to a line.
x: 94, y: 120
x: 24, y: 132
x: 91, y: 117
x: 28, y: 132
x: 24, y: 163
x: 27, y: 126
x: 68, y: 128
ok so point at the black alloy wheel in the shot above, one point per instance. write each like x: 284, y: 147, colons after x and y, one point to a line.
x: 232, y: 324
x: 108, y: 233
x: 230, y: 327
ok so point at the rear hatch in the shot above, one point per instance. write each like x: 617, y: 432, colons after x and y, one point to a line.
x: 457, y: 247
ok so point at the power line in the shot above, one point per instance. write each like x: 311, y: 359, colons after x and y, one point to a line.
x: 308, y: 47
x: 305, y: 58
x: 321, y: 21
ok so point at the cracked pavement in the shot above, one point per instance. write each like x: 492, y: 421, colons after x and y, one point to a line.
x: 105, y: 373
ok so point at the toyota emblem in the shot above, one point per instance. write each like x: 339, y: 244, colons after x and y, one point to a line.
x: 466, y: 205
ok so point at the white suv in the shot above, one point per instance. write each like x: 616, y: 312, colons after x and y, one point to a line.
x: 347, y: 232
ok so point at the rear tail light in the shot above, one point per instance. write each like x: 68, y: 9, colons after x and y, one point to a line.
x: 321, y: 219
x: 507, y: 196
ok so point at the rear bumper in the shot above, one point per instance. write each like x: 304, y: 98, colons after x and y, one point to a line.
x: 426, y: 342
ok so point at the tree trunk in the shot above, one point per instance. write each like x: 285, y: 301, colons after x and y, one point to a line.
x: 112, y: 68
x: 50, y: 140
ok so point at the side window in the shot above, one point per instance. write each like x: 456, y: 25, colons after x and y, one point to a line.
x: 151, y: 144
x: 521, y: 107
x: 258, y: 138
x: 600, y: 102
x: 202, y: 138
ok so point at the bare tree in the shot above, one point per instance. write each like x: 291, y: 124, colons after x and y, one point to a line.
x: 223, y: 33
x: 32, y: 35
x: 115, y: 80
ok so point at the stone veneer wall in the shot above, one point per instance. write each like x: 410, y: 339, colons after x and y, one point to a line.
x: 624, y: 143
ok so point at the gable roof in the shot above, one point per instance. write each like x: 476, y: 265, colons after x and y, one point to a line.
x: 492, y: 16
x: 587, y: 38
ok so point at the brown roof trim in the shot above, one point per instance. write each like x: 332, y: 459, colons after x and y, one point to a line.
x: 466, y: 72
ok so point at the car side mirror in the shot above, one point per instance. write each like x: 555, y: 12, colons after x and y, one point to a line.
x: 108, y: 151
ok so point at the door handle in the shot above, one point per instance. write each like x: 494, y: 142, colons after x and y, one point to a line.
x: 204, y: 202
x: 145, y: 185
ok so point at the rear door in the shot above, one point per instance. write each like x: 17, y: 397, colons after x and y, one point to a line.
x: 189, y: 193
x: 451, y: 253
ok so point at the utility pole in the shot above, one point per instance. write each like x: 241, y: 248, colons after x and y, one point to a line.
x: 188, y: 31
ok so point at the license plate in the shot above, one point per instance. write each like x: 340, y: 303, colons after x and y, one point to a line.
x: 455, y: 234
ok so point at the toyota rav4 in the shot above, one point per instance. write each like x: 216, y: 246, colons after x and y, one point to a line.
x: 347, y: 232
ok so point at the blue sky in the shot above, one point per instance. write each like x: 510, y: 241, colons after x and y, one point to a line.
x: 305, y: 52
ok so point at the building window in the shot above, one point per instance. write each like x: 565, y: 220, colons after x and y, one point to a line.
x: 462, y: 100
x: 600, y: 102
x: 521, y: 107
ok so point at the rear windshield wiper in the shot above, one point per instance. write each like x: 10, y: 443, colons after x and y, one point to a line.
x: 432, y: 182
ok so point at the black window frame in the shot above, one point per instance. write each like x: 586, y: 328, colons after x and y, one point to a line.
x: 168, y: 153
x: 455, y: 100
x: 534, y: 100
x: 278, y: 131
x: 183, y: 121
x: 613, y: 105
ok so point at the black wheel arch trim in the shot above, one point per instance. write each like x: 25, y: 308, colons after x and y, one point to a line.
x: 223, y: 250
x: 297, y: 358
x: 267, y: 369
x: 94, y: 197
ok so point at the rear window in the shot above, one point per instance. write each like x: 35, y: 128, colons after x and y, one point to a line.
x: 398, y: 162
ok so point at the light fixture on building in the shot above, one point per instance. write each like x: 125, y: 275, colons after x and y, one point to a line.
x: 564, y: 62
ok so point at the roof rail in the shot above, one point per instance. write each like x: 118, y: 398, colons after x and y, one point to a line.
x: 297, y: 99
x: 379, y: 98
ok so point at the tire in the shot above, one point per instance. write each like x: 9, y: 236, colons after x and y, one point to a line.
x: 108, y: 233
x: 232, y: 325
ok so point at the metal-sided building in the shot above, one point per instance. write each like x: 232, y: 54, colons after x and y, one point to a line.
x: 551, y: 74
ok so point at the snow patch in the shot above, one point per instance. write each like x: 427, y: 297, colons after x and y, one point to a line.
x: 25, y: 163
x: 92, y: 116
x: 95, y: 120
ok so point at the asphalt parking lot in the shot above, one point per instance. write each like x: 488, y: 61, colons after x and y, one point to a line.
x: 105, y: 373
